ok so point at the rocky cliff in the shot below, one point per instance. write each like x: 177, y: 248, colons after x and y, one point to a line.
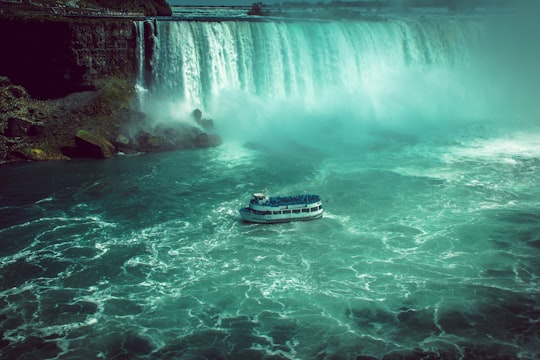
x: 66, y: 90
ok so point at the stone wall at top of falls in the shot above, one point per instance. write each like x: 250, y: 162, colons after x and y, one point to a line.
x: 52, y: 58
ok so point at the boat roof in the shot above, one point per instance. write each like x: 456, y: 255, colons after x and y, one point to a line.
x: 285, y: 200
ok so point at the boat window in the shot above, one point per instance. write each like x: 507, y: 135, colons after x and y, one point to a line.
x: 320, y: 207
x: 297, y: 211
x: 286, y: 211
x: 267, y: 212
x: 277, y: 212
x: 313, y: 209
x: 305, y: 210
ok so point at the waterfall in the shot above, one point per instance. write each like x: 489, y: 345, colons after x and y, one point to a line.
x: 198, y: 59
x: 146, y: 34
x: 405, y: 72
x: 140, y: 85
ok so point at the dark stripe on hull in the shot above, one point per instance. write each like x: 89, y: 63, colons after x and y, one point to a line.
x: 277, y: 221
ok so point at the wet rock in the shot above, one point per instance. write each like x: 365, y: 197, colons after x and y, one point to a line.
x: 213, y: 140
x: 122, y: 140
x: 149, y: 142
x: 36, y: 130
x: 126, y: 145
x: 134, y: 146
x: 175, y: 137
x: 206, y: 124
x: 158, y: 143
x: 197, y: 115
x: 202, y: 140
x: 93, y: 145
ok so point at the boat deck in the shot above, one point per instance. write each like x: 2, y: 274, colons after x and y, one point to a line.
x: 277, y: 201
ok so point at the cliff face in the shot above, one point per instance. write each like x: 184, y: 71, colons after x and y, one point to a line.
x: 66, y: 90
x: 54, y: 58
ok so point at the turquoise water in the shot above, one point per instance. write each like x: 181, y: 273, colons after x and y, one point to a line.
x: 420, y: 133
x: 426, y: 248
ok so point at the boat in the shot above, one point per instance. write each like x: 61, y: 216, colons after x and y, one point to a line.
x: 277, y: 209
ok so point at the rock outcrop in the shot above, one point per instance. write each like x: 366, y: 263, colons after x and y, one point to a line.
x: 151, y: 138
x: 93, y: 145
x: 91, y: 124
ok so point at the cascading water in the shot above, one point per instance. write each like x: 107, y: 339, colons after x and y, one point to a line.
x: 405, y: 72
x: 276, y: 77
x: 279, y: 60
x: 146, y: 33
x: 141, y: 83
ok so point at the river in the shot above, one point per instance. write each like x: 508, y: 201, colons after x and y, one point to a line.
x: 427, y: 165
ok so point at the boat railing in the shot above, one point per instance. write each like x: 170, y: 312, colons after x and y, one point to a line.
x: 287, y: 200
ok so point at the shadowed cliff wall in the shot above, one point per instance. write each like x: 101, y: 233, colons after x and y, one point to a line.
x: 52, y: 58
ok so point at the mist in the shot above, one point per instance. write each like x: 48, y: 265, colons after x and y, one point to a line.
x: 337, y: 83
